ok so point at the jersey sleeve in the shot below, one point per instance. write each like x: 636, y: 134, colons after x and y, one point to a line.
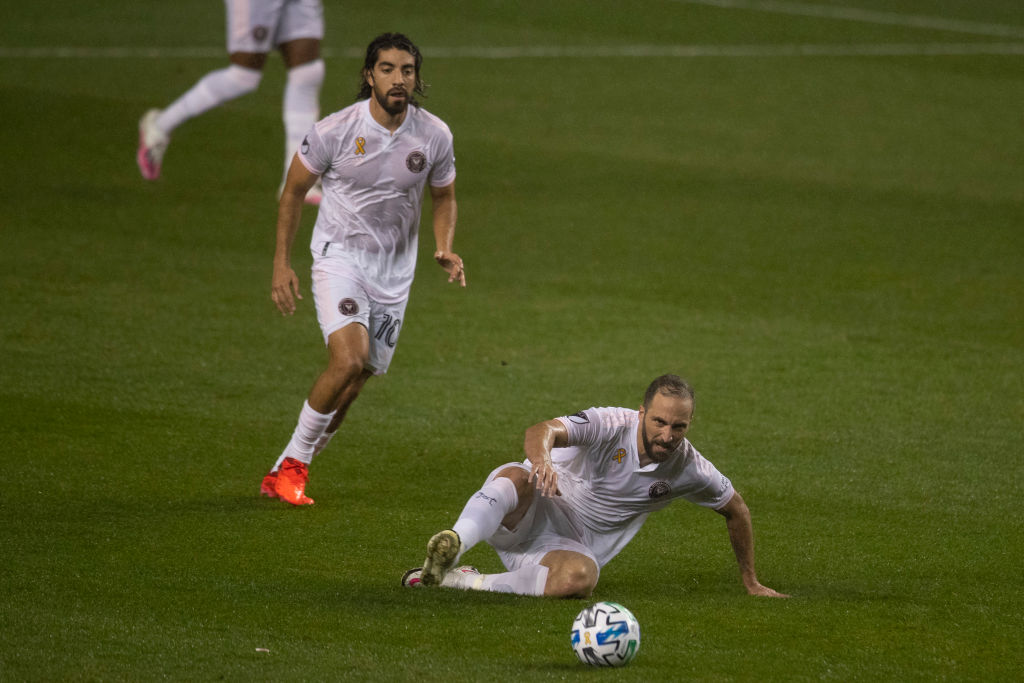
x: 443, y: 172
x: 314, y: 152
x: 584, y: 428
x: 709, y: 488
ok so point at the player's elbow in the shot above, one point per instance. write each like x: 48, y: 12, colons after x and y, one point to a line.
x: 735, y: 509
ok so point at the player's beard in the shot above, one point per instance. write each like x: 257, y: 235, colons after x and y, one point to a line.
x: 647, y: 446
x: 392, y: 109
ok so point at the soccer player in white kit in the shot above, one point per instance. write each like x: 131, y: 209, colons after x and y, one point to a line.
x: 254, y: 28
x: 375, y: 157
x: 588, y: 484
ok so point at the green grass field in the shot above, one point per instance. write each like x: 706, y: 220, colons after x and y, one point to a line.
x: 827, y: 243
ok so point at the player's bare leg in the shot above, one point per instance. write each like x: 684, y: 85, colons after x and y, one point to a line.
x: 329, y: 399
x: 570, y: 574
x: 348, y: 353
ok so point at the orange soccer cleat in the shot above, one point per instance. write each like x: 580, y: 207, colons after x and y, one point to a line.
x: 268, y: 485
x: 291, y: 482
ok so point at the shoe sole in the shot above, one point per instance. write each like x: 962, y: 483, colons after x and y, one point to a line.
x: 303, y: 500
x: 442, y: 549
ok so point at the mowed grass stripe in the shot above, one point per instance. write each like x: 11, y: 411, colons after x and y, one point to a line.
x: 923, y: 49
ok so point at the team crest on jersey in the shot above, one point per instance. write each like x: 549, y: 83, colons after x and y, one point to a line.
x: 348, y: 307
x: 659, y: 489
x: 416, y: 162
x: 259, y: 33
x: 579, y: 418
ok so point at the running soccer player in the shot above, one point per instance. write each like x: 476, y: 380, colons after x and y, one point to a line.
x: 374, y: 158
x: 254, y: 28
x: 588, y: 484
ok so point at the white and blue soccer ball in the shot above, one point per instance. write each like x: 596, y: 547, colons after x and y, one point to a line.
x: 605, y: 634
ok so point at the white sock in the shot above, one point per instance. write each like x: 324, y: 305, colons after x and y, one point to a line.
x: 307, y: 434
x: 301, y: 108
x: 523, y: 581
x: 213, y: 89
x: 484, y: 511
x: 320, y: 444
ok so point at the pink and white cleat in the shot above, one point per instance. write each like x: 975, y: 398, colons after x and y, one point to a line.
x: 152, y: 145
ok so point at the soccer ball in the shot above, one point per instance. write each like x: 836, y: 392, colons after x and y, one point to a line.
x: 605, y: 634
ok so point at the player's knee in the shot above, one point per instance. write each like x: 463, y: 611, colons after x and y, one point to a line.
x: 245, y: 79
x: 520, y: 478
x: 345, y: 368
x: 308, y: 75
x: 575, y: 579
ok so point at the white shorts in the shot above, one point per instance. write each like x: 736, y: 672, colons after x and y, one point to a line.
x: 341, y: 299
x: 261, y: 25
x: 546, y: 526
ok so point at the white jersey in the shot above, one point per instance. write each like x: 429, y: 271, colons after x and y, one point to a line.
x: 373, y: 184
x: 609, y: 494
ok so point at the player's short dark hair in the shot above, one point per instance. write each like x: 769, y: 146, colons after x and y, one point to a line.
x: 671, y: 385
x: 387, y: 41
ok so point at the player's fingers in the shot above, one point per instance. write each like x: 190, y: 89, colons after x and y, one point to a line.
x: 550, y: 483
x: 283, y: 300
x: 539, y: 479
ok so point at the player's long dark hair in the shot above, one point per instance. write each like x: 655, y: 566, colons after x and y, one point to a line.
x: 387, y: 41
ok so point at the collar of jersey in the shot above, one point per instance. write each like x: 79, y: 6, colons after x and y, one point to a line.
x: 680, y: 452
x: 373, y: 122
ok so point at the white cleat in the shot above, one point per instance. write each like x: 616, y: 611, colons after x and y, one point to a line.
x: 152, y: 146
x: 442, y: 551
x: 464, y: 577
x: 456, y: 578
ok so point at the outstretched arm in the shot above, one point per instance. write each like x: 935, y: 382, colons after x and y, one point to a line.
x: 741, y: 535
